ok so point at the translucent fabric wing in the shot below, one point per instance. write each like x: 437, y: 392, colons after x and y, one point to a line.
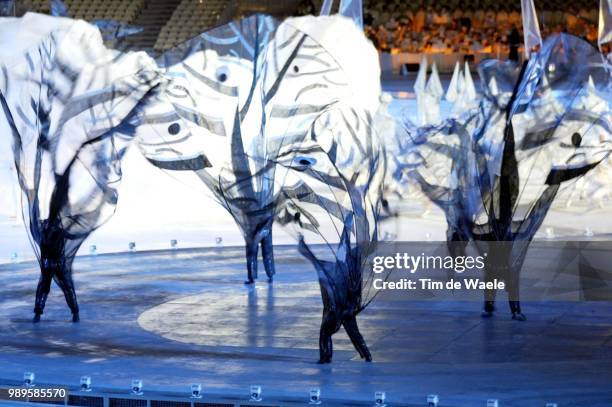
x: 239, y: 121
x: 334, y: 179
x: 227, y: 112
x: 326, y: 7
x: 352, y: 9
x: 604, y: 35
x: 334, y: 197
x: 69, y: 103
x: 531, y: 27
x: 508, y: 160
x: 207, y: 124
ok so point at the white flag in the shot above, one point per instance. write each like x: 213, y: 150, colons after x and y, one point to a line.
x: 421, y: 80
x: 434, y: 84
x: 493, y: 87
x: 326, y: 7
x: 531, y: 28
x: 352, y: 9
x: 605, y: 23
x: 453, y: 92
x: 470, y: 89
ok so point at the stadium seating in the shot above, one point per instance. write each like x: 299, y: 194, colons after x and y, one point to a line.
x: 118, y: 10
x: 189, y: 19
x: 165, y: 22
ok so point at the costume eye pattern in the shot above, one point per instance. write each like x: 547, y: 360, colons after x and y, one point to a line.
x: 222, y: 74
x: 174, y: 129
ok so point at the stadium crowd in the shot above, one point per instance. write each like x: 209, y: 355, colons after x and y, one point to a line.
x: 453, y: 26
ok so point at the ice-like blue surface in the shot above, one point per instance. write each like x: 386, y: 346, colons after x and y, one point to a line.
x: 203, y: 325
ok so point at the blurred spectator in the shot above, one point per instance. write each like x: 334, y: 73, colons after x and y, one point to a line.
x: 482, y: 26
x: 514, y: 42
